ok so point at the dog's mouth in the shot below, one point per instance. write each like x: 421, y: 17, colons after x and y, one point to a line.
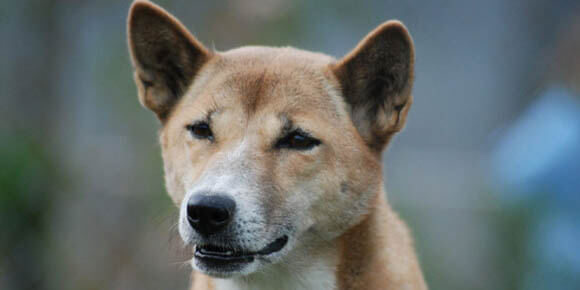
x: 219, y: 257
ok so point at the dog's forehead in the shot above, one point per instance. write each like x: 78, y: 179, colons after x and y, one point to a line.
x: 288, y: 56
x: 276, y: 80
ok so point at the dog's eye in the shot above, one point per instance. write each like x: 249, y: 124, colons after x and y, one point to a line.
x: 200, y: 130
x: 298, y: 140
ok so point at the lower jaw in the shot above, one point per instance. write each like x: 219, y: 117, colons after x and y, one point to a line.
x: 221, y: 269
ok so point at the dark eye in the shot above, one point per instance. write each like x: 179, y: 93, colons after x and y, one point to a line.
x: 200, y: 130
x: 298, y: 140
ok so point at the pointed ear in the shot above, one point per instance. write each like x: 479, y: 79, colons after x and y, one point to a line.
x: 376, y: 79
x: 165, y: 55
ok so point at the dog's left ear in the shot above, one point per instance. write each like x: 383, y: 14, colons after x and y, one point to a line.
x: 376, y: 79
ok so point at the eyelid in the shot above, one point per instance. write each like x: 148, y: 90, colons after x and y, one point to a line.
x: 199, y: 121
x: 191, y: 126
x: 206, y: 118
x: 281, y: 142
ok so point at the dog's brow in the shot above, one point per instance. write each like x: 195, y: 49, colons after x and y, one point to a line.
x: 287, y: 124
x: 210, y: 114
x: 207, y: 117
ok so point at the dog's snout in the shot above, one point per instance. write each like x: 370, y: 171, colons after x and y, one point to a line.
x: 209, y: 214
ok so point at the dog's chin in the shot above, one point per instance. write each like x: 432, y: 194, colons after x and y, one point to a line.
x: 220, y: 262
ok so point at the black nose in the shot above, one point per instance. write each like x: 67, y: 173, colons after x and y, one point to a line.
x: 209, y: 214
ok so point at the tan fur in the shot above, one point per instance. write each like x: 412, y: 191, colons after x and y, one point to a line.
x: 248, y: 95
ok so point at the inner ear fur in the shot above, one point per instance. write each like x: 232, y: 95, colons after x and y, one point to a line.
x: 165, y: 55
x: 376, y: 78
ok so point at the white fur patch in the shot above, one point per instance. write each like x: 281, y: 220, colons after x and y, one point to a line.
x: 318, y: 274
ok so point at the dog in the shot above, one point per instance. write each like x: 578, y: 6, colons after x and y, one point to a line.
x: 273, y: 156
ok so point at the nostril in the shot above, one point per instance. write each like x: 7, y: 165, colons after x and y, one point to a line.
x: 193, y: 214
x: 220, y: 216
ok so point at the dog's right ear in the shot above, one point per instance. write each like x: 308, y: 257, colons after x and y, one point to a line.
x: 165, y: 55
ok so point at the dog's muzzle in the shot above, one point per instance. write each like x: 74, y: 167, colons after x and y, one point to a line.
x: 217, y: 249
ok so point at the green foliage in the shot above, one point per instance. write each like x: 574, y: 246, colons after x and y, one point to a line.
x: 28, y: 180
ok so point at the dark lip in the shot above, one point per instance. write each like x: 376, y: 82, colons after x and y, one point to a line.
x: 223, y: 256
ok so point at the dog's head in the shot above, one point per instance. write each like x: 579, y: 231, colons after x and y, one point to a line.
x: 268, y: 151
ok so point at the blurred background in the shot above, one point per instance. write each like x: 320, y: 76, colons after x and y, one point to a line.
x: 486, y: 173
